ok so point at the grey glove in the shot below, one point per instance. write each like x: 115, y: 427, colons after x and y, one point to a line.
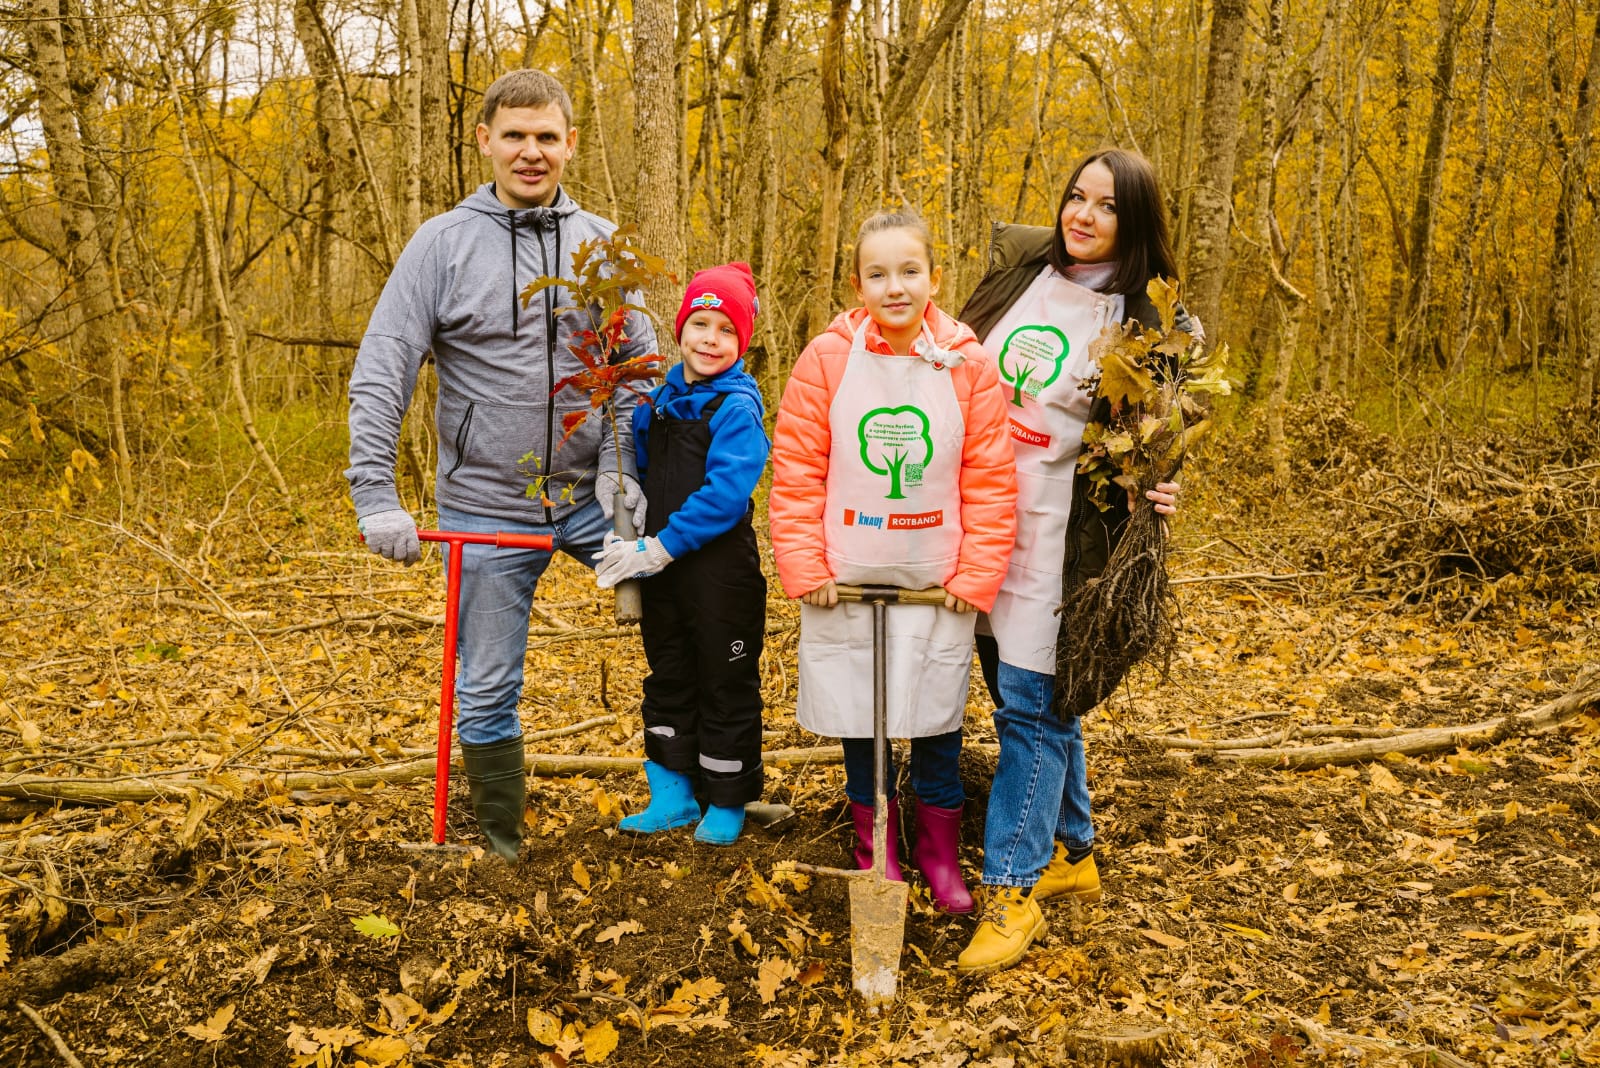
x: 633, y: 500
x: 622, y: 559
x: 392, y: 534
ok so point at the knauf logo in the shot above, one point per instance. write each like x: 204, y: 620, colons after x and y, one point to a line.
x: 853, y: 518
x: 706, y: 300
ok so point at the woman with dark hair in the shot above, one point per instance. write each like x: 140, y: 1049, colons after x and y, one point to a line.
x: 1048, y: 293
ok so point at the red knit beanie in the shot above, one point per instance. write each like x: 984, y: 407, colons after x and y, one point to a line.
x: 729, y: 289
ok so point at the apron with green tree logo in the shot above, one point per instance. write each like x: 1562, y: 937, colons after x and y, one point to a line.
x: 892, y: 518
x: 1041, y: 348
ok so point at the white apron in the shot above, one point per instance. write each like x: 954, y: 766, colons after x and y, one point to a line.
x: 892, y: 518
x: 1041, y: 348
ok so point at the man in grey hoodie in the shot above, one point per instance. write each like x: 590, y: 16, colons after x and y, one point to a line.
x: 456, y: 291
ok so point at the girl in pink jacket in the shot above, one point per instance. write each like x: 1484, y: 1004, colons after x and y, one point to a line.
x: 893, y: 466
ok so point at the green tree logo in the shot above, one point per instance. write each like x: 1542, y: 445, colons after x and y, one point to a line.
x: 896, y: 442
x: 1031, y: 359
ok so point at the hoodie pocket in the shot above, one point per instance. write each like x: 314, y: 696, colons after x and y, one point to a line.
x: 490, y: 452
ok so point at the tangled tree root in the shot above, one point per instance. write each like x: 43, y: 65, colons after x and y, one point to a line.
x: 1109, y: 624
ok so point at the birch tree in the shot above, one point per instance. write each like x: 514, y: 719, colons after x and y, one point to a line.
x: 88, y: 277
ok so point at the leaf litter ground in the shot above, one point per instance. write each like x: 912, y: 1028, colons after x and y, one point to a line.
x: 1258, y: 916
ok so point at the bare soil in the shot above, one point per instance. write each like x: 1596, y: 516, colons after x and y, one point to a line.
x: 1254, y: 916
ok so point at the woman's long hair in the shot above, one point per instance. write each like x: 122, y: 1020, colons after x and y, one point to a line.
x: 1144, y: 245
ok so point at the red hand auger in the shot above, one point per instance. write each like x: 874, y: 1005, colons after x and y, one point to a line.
x: 452, y: 611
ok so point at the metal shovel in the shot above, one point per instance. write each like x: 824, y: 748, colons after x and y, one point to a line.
x: 877, y: 904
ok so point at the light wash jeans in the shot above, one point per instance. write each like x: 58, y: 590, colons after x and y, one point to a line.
x: 1041, y: 785
x: 935, y: 769
x: 497, y: 587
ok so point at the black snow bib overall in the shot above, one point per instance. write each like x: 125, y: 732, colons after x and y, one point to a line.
x: 704, y: 621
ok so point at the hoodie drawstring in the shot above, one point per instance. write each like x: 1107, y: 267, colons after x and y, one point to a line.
x: 514, y: 298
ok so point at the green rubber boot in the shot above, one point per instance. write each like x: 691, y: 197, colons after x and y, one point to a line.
x: 498, y: 782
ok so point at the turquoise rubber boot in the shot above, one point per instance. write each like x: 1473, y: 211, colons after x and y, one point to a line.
x: 672, y: 802
x: 721, y: 826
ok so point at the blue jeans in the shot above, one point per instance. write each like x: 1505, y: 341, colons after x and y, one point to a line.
x: 935, y: 770
x: 497, y: 587
x: 1041, y: 786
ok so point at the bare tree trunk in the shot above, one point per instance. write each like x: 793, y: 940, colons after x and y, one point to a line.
x: 217, y: 276
x: 835, y: 155
x: 754, y: 227
x: 587, y: 33
x: 343, y: 134
x: 1466, y: 239
x: 1189, y: 132
x: 1401, y: 163
x: 1430, y: 182
x: 1207, y: 267
x: 874, y: 183
x: 657, y: 135
x: 715, y: 164
x: 1321, y: 285
x: 890, y: 96
x: 86, y: 263
x: 411, y: 85
x: 762, y: 64
x: 426, y: 47
x: 428, y: 93
x: 1287, y: 301
x: 1574, y: 152
x: 1584, y: 396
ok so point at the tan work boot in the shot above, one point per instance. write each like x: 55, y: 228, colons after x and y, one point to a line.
x: 1062, y: 878
x: 1011, y: 921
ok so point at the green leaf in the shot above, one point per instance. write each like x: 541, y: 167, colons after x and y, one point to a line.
x: 374, y: 926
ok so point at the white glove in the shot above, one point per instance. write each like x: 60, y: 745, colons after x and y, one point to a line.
x: 605, y: 484
x: 622, y: 559
x: 392, y: 534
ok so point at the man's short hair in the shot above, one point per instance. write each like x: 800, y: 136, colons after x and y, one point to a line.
x: 525, y: 89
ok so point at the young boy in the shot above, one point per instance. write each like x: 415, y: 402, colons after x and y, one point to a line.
x: 700, y: 446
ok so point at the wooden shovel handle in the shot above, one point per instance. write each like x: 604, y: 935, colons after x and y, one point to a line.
x: 934, y: 595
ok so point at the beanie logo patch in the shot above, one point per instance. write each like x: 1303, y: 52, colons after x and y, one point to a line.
x: 706, y: 300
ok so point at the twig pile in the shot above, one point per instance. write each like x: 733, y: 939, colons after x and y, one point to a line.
x: 1455, y: 525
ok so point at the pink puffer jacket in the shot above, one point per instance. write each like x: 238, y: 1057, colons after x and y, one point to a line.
x: 803, y: 439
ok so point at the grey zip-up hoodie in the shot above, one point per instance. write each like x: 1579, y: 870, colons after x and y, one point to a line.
x: 457, y: 290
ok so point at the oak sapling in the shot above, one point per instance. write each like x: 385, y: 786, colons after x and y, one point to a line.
x: 1153, y: 389
x: 607, y: 274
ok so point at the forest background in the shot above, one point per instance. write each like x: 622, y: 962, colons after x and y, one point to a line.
x: 1391, y: 202
x: 213, y: 706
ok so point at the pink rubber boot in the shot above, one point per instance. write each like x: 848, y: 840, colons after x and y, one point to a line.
x: 936, y: 856
x: 861, y: 815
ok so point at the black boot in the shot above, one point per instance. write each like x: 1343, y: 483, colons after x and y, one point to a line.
x: 499, y: 784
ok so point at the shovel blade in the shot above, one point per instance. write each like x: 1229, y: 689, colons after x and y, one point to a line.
x: 877, y: 931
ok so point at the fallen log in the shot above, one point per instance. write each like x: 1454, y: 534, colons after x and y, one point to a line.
x: 85, y: 966
x: 1331, y: 1042
x: 1584, y: 694
x: 155, y: 787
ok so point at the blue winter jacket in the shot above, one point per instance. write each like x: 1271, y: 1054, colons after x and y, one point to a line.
x: 734, y: 463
